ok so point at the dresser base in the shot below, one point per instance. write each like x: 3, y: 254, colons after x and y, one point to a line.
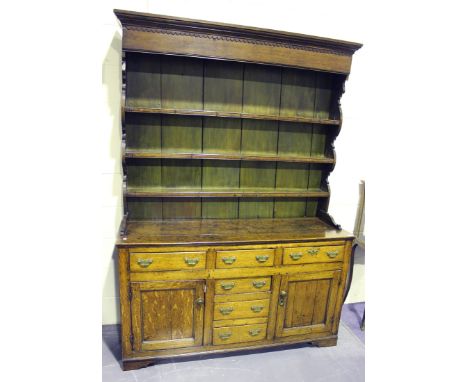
x: 137, y: 363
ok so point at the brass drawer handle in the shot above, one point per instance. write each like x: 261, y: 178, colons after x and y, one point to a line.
x: 259, y: 284
x: 295, y: 256
x: 313, y: 252
x: 256, y: 308
x: 225, y: 336
x: 227, y: 286
x: 254, y: 332
x: 144, y: 263
x: 191, y: 262
x: 228, y: 260
x: 332, y: 254
x: 226, y: 311
x: 262, y: 259
x: 282, y: 297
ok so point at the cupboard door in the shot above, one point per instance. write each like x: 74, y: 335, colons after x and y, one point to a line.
x: 306, y: 303
x: 167, y: 314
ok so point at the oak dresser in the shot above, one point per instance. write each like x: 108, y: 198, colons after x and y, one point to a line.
x: 226, y: 241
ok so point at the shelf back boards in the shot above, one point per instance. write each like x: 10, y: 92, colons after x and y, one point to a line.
x: 211, y: 137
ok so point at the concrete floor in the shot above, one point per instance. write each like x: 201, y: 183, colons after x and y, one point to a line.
x: 344, y: 362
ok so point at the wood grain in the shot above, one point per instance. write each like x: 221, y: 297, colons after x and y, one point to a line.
x: 227, y: 144
x: 223, y: 114
x: 170, y: 35
x: 150, y: 154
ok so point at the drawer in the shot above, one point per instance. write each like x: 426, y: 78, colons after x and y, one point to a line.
x: 232, y: 286
x: 306, y: 255
x: 241, y: 309
x: 245, y: 258
x: 169, y: 261
x: 236, y: 334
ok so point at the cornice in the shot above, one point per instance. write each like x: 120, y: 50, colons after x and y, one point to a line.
x: 234, y: 33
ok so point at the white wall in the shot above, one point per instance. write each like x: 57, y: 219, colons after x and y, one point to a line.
x: 309, y: 18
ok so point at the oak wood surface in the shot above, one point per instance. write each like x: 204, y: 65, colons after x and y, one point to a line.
x: 150, y: 154
x: 165, y: 314
x: 227, y: 145
x: 244, y: 258
x: 241, y: 309
x: 236, y: 115
x: 229, y: 231
x: 236, y: 334
x: 150, y: 262
x: 247, y: 192
x: 304, y: 255
x: 316, y: 339
x: 233, y: 273
x: 171, y: 35
x: 303, y: 310
x: 234, y: 286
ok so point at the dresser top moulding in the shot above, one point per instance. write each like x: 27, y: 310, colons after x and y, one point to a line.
x: 143, y: 32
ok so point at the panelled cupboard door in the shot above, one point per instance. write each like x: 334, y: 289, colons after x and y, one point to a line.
x: 306, y: 303
x: 167, y: 314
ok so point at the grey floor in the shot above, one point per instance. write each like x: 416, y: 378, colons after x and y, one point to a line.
x: 344, y: 362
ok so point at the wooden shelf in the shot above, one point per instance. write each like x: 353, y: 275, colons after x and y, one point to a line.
x: 205, y: 113
x: 158, y: 192
x: 147, y: 154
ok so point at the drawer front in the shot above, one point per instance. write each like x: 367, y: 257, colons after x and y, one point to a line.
x: 237, y: 334
x: 245, y: 258
x: 306, y: 255
x: 232, y: 286
x: 150, y: 262
x: 241, y: 309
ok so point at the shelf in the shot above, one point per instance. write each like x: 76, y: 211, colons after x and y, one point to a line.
x: 205, y: 113
x: 158, y: 192
x: 226, y: 231
x: 147, y: 154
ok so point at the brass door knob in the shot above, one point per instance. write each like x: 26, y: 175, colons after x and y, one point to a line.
x: 282, y: 297
x: 199, y: 301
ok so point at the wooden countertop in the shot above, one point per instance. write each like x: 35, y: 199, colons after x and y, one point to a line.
x: 228, y: 231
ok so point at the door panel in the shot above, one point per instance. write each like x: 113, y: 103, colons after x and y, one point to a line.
x: 166, y: 314
x: 307, y: 303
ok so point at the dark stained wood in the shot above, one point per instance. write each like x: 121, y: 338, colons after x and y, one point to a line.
x: 223, y: 86
x: 225, y: 231
x: 221, y: 135
x: 158, y: 192
x: 146, y: 154
x: 223, y: 114
x: 146, y: 358
x: 227, y: 145
x: 143, y: 80
x: 171, y: 35
x: 181, y: 83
